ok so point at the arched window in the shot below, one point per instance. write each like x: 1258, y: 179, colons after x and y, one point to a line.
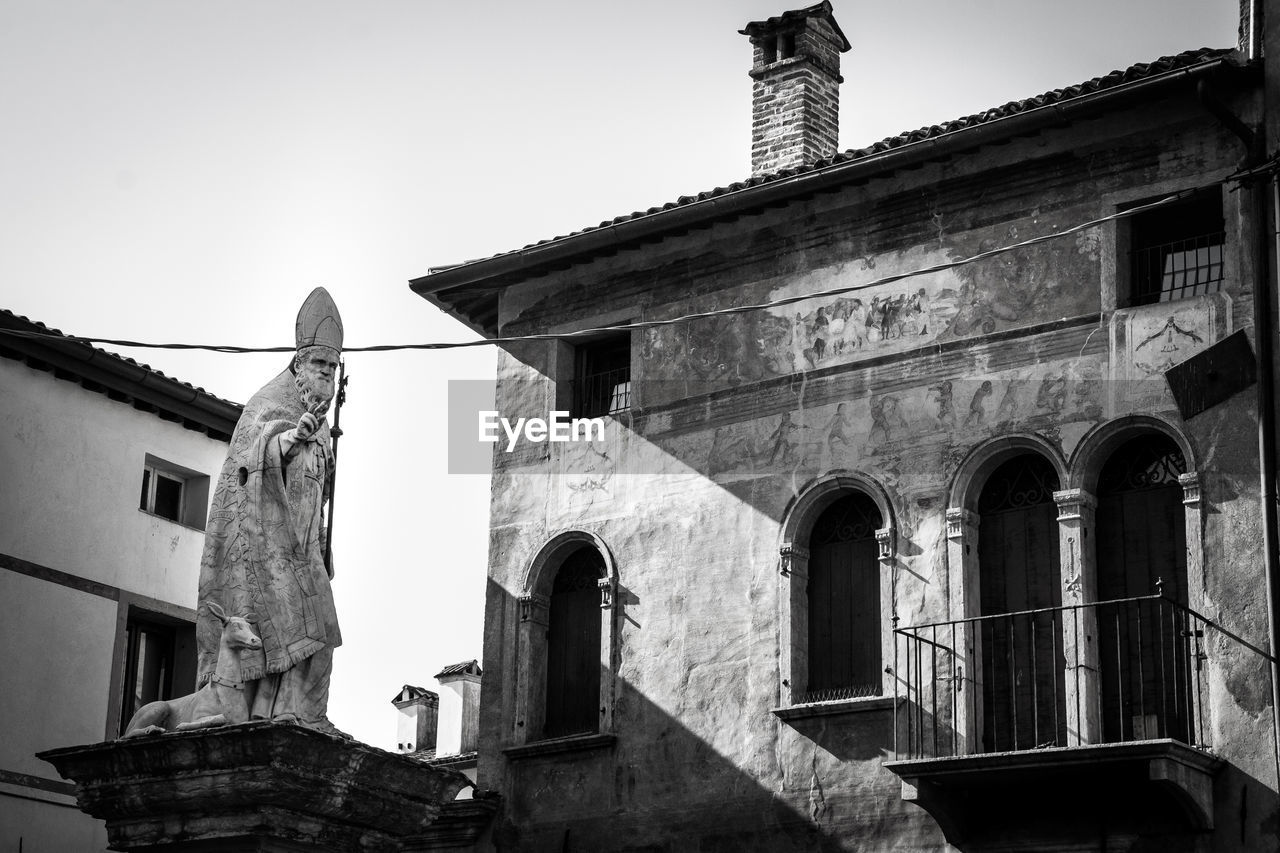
x: 1141, y: 541
x: 844, y: 601
x: 573, y: 646
x: 566, y: 641
x: 1022, y: 690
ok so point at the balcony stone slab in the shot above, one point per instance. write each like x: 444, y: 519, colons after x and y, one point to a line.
x: 989, y: 801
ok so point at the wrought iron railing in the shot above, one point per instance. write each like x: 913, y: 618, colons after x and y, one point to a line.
x: 831, y: 694
x: 1104, y: 672
x: 1178, y: 270
x: 604, y: 393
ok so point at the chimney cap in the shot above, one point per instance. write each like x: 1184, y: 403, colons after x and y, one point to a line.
x: 469, y: 667
x: 793, y: 19
x: 411, y: 695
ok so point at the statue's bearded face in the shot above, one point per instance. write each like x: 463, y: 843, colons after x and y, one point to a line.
x: 316, y: 369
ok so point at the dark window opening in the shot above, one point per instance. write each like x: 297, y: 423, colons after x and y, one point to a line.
x: 844, y: 602
x: 159, y: 662
x: 787, y: 45
x: 1176, y: 250
x: 573, y: 646
x: 162, y: 494
x: 770, y: 48
x: 174, y: 492
x: 1145, y: 647
x: 602, y: 379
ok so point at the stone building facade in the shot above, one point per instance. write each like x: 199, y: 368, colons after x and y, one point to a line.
x: 105, y: 467
x: 938, y: 558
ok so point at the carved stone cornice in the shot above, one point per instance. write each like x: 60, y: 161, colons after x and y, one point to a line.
x: 1190, y: 488
x: 1073, y: 503
x: 791, y: 557
x: 959, y: 520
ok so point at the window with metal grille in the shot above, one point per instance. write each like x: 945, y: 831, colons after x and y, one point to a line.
x: 1176, y: 250
x: 602, y: 377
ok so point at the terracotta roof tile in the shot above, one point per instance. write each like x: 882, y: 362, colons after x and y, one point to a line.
x: 82, y: 359
x: 1133, y: 73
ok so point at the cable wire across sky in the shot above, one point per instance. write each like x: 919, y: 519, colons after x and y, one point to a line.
x: 644, y: 324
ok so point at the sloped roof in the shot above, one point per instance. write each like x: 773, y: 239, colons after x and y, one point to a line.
x: 469, y: 667
x: 120, y: 378
x: 454, y: 288
x: 410, y: 693
x: 795, y: 17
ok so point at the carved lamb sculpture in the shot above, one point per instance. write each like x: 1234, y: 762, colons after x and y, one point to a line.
x: 220, y: 702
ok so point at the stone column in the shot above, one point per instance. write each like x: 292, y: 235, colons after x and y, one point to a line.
x: 963, y: 602
x: 1079, y: 622
x: 531, y: 666
x: 608, y: 615
x: 793, y: 566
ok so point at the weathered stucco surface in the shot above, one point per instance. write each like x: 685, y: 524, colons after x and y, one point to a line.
x: 734, y: 417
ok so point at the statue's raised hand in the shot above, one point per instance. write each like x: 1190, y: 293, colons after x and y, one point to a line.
x: 308, y: 426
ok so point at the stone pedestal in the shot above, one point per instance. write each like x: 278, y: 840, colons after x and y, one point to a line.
x: 261, y: 786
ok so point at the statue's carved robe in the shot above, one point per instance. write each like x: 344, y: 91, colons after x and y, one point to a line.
x: 264, y: 545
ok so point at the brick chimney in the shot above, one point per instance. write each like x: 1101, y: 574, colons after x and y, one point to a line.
x: 795, y: 101
x: 416, y: 724
x: 459, y: 708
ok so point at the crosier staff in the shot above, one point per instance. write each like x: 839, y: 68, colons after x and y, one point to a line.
x: 336, y: 432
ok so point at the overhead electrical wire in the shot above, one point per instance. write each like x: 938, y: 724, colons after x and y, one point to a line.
x: 646, y: 324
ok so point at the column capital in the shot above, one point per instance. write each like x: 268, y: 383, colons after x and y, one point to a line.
x: 792, y: 557
x: 1190, y: 488
x: 1073, y: 503
x: 960, y: 520
x: 887, y: 540
x: 534, y: 608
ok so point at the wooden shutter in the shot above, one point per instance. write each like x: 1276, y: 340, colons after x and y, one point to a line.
x: 1022, y: 688
x: 844, y: 601
x: 573, y: 646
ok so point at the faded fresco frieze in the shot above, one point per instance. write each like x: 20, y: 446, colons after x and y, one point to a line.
x: 981, y: 298
x: 899, y: 431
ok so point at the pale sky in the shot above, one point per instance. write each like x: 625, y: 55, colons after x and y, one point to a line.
x: 183, y: 171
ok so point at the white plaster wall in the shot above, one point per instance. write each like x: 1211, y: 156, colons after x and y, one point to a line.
x: 71, y: 464
x: 58, y: 645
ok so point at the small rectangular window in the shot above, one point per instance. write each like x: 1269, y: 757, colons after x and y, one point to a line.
x: 1176, y: 251
x: 173, y: 492
x: 602, y: 383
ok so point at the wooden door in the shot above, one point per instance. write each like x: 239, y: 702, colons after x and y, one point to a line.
x: 573, y: 646
x: 1141, y: 539
x: 1022, y: 663
x: 844, y: 601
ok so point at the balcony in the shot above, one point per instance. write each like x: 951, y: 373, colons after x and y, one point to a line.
x: 1016, y: 725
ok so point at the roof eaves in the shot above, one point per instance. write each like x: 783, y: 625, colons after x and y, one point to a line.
x: 43, y: 346
x: 1057, y: 107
